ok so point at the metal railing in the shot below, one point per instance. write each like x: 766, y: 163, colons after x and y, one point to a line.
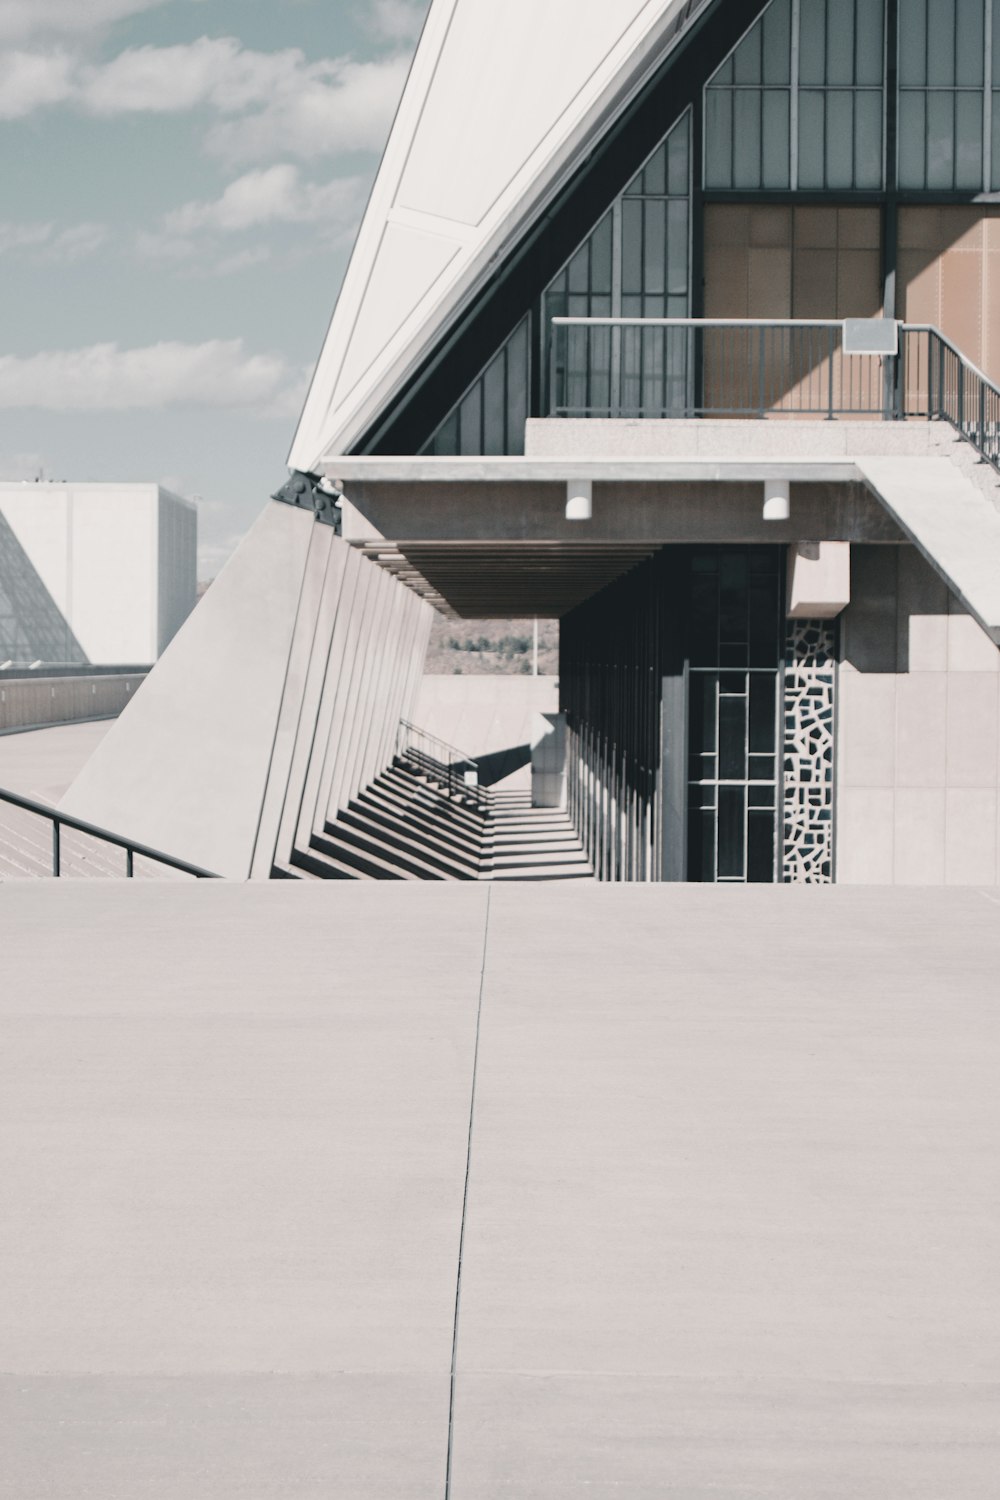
x: 60, y: 820
x: 938, y: 383
x: 766, y: 368
x: 454, y: 771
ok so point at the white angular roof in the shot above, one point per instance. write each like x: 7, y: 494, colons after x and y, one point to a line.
x: 501, y: 98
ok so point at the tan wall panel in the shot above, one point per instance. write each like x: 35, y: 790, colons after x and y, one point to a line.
x: 769, y: 283
x: 949, y: 275
x: 859, y: 285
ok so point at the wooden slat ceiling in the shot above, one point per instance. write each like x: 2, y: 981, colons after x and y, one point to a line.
x: 490, y: 580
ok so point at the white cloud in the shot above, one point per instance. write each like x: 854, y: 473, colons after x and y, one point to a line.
x: 33, y: 80
x: 398, y: 20
x: 334, y: 108
x: 242, y: 260
x: 268, y: 104
x: 74, y: 243
x: 272, y: 195
x: 77, y: 242
x: 23, y: 18
x: 23, y: 236
x: 103, y: 377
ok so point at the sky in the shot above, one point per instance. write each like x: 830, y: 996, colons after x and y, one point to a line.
x: 181, y: 182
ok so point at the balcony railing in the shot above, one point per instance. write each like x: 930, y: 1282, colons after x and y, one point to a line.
x: 92, y: 842
x: 769, y: 368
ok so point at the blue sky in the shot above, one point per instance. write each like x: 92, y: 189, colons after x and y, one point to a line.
x: 180, y: 184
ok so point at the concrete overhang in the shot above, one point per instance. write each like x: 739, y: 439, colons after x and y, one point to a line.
x: 489, y: 536
x: 516, y: 470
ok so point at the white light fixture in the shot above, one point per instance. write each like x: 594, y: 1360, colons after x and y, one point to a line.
x: 579, y: 500
x: 777, y: 500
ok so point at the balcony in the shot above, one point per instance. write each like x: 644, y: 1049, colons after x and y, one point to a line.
x: 856, y: 369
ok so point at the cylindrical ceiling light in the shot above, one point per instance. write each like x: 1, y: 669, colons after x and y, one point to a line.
x: 579, y: 500
x: 777, y: 500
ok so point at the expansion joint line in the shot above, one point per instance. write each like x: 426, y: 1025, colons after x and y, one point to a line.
x: 465, y: 1202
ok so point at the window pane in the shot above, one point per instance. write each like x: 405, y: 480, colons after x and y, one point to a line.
x: 812, y: 42
x: 869, y: 50
x: 868, y: 139
x: 777, y: 42
x: 746, y: 58
x: 840, y: 42
x: 912, y: 43
x: 678, y: 162
x: 971, y: 42
x: 912, y: 134
x: 969, y: 140
x: 470, y: 421
x: 655, y: 234
x: 811, y: 142
x: 632, y: 245
x: 601, y: 254
x: 940, y: 139
x: 746, y: 143
x: 762, y: 711
x: 995, y: 184
x: 839, y: 139
x: 731, y: 804
x: 517, y: 388
x: 677, y: 248
x: 760, y: 848
x: 776, y: 139
x: 941, y: 42
x: 653, y: 178
x: 718, y: 138
x: 494, y: 407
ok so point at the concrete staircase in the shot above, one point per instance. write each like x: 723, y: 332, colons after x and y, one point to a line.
x: 413, y: 823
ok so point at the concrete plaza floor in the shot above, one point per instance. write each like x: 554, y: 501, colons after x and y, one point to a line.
x: 728, y: 1226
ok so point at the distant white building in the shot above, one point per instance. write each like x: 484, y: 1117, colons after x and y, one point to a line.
x: 103, y: 573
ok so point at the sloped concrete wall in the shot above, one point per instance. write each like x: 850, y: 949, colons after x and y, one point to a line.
x: 919, y: 730
x: 233, y: 748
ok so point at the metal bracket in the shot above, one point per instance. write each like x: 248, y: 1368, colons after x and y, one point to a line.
x: 308, y: 493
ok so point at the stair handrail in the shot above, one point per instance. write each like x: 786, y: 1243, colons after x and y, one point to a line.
x: 454, y: 763
x: 969, y: 402
x: 132, y: 847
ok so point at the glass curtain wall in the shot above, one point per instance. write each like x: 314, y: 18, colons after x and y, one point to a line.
x: 798, y: 103
x: 634, y: 264
x: 949, y: 78
x: 490, y: 417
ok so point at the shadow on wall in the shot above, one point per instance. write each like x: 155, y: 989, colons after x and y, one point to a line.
x: 499, y: 764
x: 896, y: 597
x: 32, y: 627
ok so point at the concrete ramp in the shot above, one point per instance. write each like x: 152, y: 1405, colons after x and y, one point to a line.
x: 952, y: 523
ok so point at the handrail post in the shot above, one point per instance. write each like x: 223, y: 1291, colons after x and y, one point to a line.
x: 982, y: 416
x: 553, y: 335
x: 941, y: 412
x: 129, y: 867
x: 56, y: 848
x: 829, y: 376
x: 961, y: 396
x: 761, y: 366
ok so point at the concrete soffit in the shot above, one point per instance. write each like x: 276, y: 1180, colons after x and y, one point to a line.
x: 500, y: 104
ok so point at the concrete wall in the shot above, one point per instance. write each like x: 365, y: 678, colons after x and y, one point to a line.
x: 278, y: 700
x: 117, y: 559
x: 28, y: 702
x: 919, y: 709
x: 489, y: 717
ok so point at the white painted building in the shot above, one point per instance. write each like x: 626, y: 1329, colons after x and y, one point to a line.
x: 118, y: 561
